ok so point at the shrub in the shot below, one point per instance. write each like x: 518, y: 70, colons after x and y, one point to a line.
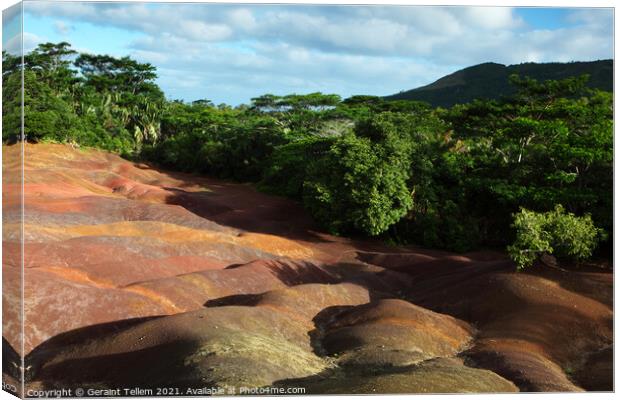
x: 359, y: 185
x: 555, y: 232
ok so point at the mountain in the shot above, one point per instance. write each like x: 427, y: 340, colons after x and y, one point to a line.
x: 490, y: 81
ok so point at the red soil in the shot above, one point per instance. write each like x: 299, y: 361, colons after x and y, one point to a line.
x: 243, y: 288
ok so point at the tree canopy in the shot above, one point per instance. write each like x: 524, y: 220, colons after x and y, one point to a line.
x: 399, y: 169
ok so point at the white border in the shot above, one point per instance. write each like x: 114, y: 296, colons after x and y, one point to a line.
x: 523, y: 3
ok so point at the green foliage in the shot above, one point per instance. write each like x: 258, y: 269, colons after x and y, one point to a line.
x: 47, y: 116
x: 123, y: 75
x: 222, y: 142
x: 366, y: 165
x: 295, y: 102
x: 360, y: 184
x: 11, y: 98
x: 288, y: 166
x: 248, y: 147
x: 440, y: 216
x: 111, y: 103
x: 550, y: 144
x: 301, y: 114
x: 555, y: 232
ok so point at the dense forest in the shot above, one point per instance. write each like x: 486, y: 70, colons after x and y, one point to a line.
x: 533, y: 171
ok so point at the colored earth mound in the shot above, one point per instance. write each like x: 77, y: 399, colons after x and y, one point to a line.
x: 138, y: 277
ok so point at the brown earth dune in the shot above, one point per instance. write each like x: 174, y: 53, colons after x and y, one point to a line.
x: 140, y: 277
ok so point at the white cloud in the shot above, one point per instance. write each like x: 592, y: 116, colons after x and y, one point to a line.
x: 392, y: 31
x: 198, y: 30
x: 232, y: 52
x: 242, y: 18
x: 66, y: 9
x: 491, y: 18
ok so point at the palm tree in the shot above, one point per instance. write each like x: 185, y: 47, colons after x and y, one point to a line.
x: 146, y: 118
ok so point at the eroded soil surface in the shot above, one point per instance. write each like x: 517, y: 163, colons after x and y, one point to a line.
x: 137, y: 277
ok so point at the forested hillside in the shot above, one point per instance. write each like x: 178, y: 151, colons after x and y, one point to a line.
x: 490, y: 81
x: 403, y: 170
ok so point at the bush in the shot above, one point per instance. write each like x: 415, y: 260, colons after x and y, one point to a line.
x: 555, y: 232
x: 360, y: 185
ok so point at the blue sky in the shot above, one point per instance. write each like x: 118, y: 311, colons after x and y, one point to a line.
x: 231, y: 53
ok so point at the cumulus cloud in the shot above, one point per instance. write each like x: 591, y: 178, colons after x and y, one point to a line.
x: 235, y: 51
x: 491, y: 18
x: 243, y: 19
x: 389, y: 31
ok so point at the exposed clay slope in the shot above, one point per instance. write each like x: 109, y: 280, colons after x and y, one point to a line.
x: 393, y: 332
x: 139, y: 277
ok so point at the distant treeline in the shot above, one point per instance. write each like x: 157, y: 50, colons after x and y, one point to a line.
x: 445, y: 178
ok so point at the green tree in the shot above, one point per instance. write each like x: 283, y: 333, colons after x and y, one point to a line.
x: 11, y: 100
x: 360, y: 184
x: 51, y: 62
x: 549, y: 144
